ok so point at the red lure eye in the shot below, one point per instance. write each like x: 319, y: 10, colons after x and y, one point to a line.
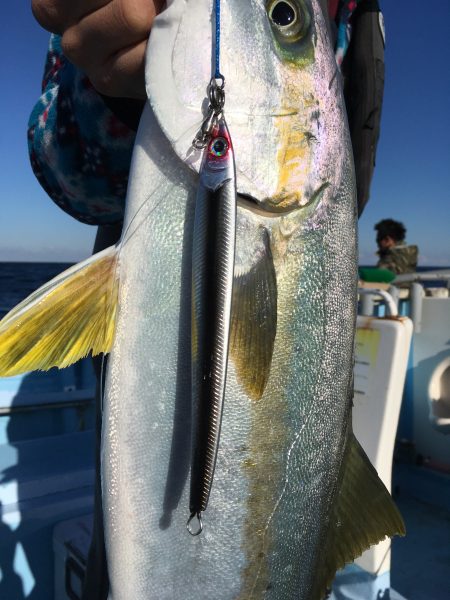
x: 219, y: 147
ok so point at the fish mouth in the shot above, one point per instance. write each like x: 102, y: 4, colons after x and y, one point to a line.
x: 250, y: 203
x: 268, y: 206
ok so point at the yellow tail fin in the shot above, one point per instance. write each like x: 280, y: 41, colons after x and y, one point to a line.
x: 363, y: 514
x: 64, y: 320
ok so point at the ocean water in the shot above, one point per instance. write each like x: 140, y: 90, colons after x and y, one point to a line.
x: 18, y: 280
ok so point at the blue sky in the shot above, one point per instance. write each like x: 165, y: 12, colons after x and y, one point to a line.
x: 412, y: 177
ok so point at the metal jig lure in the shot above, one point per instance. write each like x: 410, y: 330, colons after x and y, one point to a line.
x: 212, y: 280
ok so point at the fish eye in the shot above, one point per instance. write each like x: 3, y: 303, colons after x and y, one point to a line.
x: 219, y: 147
x: 283, y: 14
x: 289, y: 18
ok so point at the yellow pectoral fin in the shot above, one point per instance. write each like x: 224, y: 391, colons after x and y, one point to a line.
x: 64, y: 320
x: 254, y: 324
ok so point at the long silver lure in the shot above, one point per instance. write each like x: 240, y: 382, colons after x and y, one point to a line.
x: 212, y: 280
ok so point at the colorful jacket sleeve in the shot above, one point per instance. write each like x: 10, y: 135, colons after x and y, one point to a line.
x: 80, y: 151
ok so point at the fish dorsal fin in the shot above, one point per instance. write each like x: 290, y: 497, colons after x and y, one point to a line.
x: 363, y: 514
x: 254, y: 323
x: 63, y: 320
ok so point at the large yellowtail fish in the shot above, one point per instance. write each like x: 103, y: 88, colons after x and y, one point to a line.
x: 293, y: 497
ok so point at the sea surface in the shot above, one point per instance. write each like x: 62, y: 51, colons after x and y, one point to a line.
x: 19, y: 279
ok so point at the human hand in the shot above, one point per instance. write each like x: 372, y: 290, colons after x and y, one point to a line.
x: 105, y: 38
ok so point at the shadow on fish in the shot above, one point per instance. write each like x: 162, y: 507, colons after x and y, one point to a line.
x: 292, y: 497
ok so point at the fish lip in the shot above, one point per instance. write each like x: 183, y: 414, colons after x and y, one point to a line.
x: 260, y: 207
x: 251, y: 203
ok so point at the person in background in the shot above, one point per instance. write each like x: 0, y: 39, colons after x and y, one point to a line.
x: 394, y: 253
x: 82, y: 130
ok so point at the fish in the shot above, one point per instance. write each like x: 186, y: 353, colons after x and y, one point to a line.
x: 294, y: 497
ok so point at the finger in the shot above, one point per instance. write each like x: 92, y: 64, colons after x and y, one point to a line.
x: 123, y: 73
x: 103, y: 33
x: 58, y: 15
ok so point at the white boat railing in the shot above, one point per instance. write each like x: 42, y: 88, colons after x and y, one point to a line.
x: 438, y: 275
x: 367, y: 301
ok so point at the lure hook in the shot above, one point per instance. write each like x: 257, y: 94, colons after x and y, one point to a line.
x: 198, y: 531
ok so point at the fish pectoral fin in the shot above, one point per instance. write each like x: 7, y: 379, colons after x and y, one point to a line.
x: 254, y: 324
x: 64, y: 320
x: 363, y: 514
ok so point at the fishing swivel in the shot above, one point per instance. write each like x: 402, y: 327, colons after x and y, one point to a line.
x: 216, y: 93
x: 216, y: 96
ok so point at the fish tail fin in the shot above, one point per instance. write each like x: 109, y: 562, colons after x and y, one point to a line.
x: 363, y: 514
x: 64, y: 320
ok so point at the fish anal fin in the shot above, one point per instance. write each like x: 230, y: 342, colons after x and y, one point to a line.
x: 64, y: 320
x: 254, y: 324
x: 363, y: 514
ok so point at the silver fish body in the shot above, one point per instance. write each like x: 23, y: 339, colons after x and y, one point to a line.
x: 278, y: 453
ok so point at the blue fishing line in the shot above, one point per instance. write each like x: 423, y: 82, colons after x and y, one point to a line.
x: 215, y: 90
x: 217, y: 74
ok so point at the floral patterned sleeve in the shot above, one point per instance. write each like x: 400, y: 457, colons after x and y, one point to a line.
x: 80, y: 151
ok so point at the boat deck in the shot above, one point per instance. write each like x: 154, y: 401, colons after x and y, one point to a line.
x: 420, y: 563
